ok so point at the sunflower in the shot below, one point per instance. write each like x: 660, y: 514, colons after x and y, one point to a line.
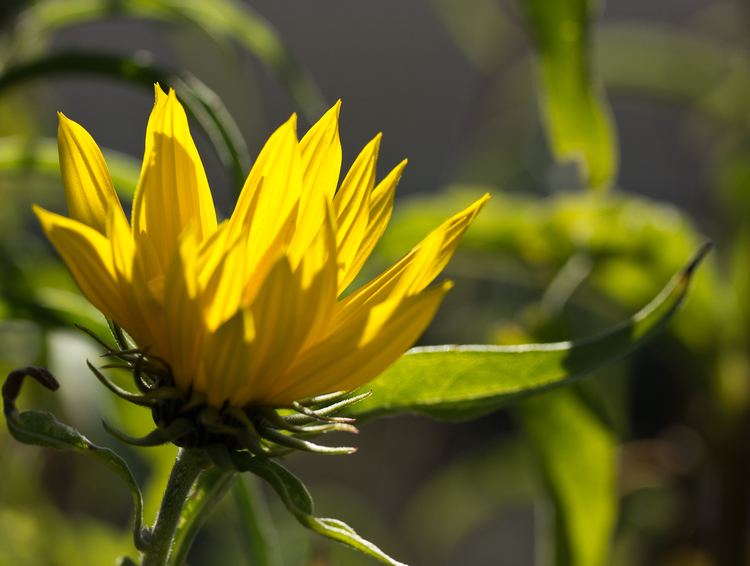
x: 255, y: 310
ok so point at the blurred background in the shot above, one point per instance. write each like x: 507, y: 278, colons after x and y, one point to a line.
x: 614, y: 140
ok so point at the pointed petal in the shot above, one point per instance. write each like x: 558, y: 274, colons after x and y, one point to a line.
x: 88, y: 184
x: 173, y: 191
x: 321, y: 166
x: 381, y: 207
x: 267, y: 205
x: 88, y: 256
x: 418, y: 268
x: 351, y: 206
x: 348, y: 360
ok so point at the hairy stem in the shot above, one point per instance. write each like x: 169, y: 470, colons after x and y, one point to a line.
x: 188, y: 466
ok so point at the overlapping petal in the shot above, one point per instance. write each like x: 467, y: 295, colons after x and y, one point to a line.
x: 173, y: 191
x: 248, y: 312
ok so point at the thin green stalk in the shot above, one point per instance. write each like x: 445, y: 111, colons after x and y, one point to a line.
x: 187, y: 467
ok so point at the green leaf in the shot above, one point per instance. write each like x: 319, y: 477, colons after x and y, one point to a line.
x: 43, y: 429
x: 460, y: 382
x: 298, y: 501
x: 579, y: 125
x: 582, y: 488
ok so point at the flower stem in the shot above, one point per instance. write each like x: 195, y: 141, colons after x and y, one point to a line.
x: 187, y: 467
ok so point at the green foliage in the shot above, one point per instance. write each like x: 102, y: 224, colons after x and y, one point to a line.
x: 578, y: 121
x: 225, y: 20
x: 459, y: 382
x: 43, y: 429
x: 582, y: 487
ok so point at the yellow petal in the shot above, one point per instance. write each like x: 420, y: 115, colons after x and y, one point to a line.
x: 225, y: 359
x: 88, y: 185
x: 224, y: 291
x: 318, y: 276
x: 88, y: 256
x: 381, y: 207
x: 321, y: 166
x: 183, y: 313
x: 362, y: 349
x: 173, y: 191
x: 351, y: 206
x: 278, y: 333
x: 418, y: 268
x: 267, y: 205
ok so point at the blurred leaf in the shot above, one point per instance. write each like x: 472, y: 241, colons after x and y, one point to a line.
x: 579, y: 125
x: 475, y: 487
x: 578, y: 457
x: 43, y: 429
x: 39, y: 155
x: 297, y: 499
x: 681, y: 66
x: 37, y: 534
x: 482, y: 32
x: 459, y: 382
x: 229, y: 19
x: 260, y: 541
x: 200, y: 101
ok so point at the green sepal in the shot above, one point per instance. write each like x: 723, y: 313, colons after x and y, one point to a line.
x: 298, y: 501
x: 43, y: 429
x: 157, y: 437
x: 463, y: 382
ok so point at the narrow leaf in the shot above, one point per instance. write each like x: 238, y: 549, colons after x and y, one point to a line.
x: 582, y: 489
x: 460, y: 382
x: 579, y: 126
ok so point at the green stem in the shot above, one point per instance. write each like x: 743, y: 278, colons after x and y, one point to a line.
x: 187, y: 467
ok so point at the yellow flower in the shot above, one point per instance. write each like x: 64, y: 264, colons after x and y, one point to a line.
x: 250, y: 310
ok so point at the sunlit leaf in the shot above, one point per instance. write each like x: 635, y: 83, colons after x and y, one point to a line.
x: 459, y: 382
x: 578, y: 460
x: 579, y: 125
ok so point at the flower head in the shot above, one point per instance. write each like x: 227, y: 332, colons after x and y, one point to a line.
x: 249, y: 311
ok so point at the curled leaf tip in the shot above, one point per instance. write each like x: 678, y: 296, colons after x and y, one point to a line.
x: 14, y: 381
